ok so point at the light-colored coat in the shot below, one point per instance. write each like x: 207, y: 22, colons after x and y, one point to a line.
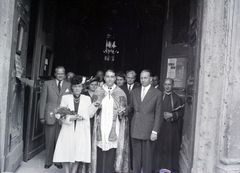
x: 74, y: 142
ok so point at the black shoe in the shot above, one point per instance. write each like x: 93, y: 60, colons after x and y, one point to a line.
x: 59, y: 166
x: 47, y: 166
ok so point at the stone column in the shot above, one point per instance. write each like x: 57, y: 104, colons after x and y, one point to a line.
x: 6, y: 25
x: 217, y: 135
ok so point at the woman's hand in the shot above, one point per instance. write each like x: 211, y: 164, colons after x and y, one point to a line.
x: 79, y: 118
x: 72, y: 117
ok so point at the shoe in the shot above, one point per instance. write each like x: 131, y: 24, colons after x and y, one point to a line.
x: 59, y: 166
x: 47, y: 166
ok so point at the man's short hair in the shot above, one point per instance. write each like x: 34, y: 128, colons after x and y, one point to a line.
x: 59, y: 67
x: 131, y: 72
x: 148, y: 71
x: 171, y: 79
x: 121, y: 74
x: 110, y: 70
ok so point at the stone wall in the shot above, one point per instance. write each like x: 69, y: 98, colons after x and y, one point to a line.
x: 6, y: 24
x: 217, y: 135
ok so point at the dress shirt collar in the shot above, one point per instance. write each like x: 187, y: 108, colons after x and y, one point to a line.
x: 57, y: 81
x: 168, y: 93
x: 130, y: 86
x: 146, y: 88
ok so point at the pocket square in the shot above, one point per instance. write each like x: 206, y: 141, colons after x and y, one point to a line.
x: 67, y: 90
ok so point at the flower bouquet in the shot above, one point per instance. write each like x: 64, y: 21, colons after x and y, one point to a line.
x: 63, y: 112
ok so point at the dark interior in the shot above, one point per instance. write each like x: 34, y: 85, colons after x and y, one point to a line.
x: 82, y: 27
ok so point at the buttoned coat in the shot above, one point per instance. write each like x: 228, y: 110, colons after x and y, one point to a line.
x: 51, y: 98
x: 147, y: 113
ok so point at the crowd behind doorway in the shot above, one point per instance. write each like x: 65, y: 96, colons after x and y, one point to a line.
x: 118, y: 89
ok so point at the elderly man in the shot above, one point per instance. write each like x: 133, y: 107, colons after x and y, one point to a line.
x: 112, y: 127
x: 168, y: 144
x: 146, y: 101
x: 50, y: 99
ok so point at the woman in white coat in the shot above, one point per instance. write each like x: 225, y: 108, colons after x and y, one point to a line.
x: 74, y: 141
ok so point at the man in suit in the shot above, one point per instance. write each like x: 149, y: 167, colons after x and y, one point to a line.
x: 146, y: 101
x: 130, y: 85
x: 127, y: 88
x: 155, y: 82
x: 50, y: 99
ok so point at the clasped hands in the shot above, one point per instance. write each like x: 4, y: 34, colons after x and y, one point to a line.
x: 167, y: 116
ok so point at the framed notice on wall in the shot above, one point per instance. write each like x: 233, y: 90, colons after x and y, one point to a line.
x: 176, y: 69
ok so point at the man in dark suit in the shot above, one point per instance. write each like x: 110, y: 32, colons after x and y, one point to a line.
x: 146, y: 101
x: 127, y: 88
x: 50, y: 99
x: 130, y: 85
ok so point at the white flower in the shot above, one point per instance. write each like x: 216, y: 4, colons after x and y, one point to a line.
x: 58, y: 116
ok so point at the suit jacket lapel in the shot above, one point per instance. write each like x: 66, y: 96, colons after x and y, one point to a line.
x: 138, y: 96
x: 54, y: 86
x: 147, y: 97
x: 64, y: 87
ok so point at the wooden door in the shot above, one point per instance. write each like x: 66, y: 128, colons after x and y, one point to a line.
x: 175, y: 57
x: 41, y: 71
x: 175, y: 44
x: 14, y: 125
x: 187, y: 148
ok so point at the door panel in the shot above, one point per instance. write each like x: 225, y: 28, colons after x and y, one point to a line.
x: 175, y: 43
x: 187, y: 149
x: 41, y: 70
x: 14, y: 125
x: 178, y: 64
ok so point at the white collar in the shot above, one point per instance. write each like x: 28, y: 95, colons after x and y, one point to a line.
x: 106, y: 88
x: 168, y: 93
x: 147, y: 87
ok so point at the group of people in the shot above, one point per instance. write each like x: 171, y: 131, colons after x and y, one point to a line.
x: 119, y: 125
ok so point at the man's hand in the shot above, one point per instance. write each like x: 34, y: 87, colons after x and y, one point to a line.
x: 97, y: 104
x: 167, y: 115
x: 153, y: 136
x: 42, y: 121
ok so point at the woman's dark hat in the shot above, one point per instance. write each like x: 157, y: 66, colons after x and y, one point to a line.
x: 77, y: 79
x: 92, y: 79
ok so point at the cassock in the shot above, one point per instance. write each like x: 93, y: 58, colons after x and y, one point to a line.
x: 169, y: 139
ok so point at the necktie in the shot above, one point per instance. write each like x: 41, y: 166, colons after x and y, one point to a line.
x: 129, y: 88
x: 59, y: 86
x: 143, y: 93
